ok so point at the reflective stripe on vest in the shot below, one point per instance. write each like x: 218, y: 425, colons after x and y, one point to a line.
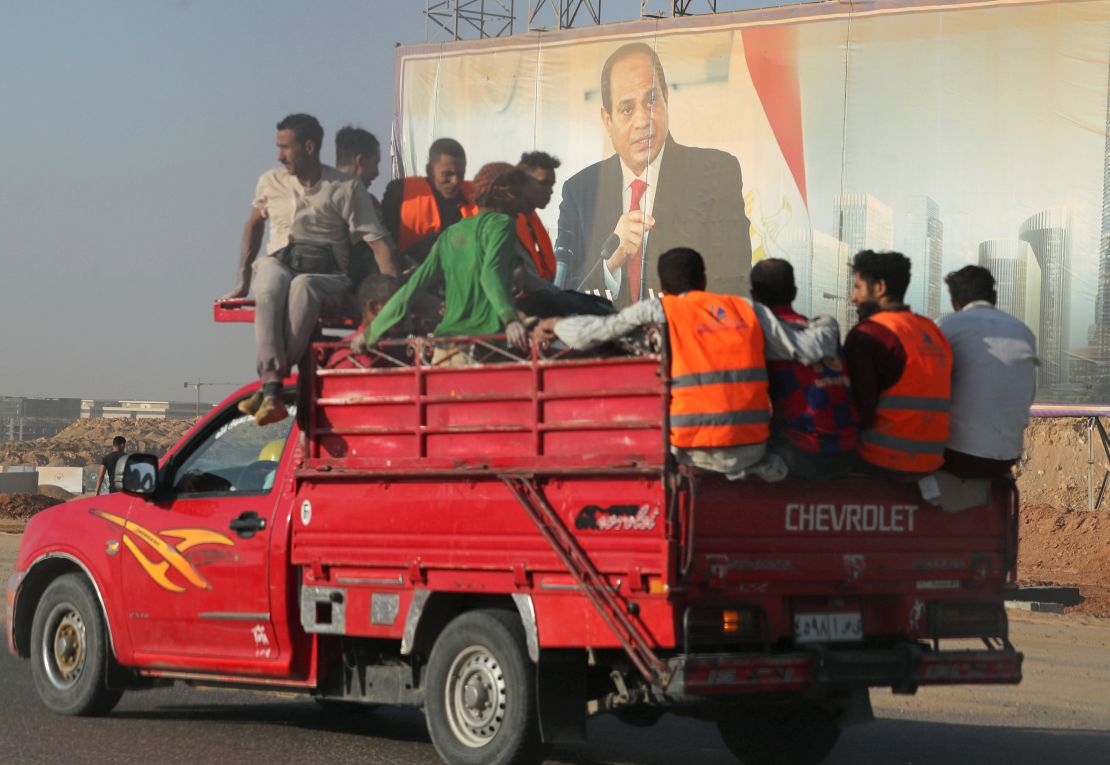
x: 532, y: 234
x: 910, y: 428
x: 420, y: 214
x: 713, y: 406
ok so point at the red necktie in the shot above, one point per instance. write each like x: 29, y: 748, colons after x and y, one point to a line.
x: 635, y: 263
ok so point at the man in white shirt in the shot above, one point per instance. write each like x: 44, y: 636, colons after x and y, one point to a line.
x: 654, y: 194
x: 315, y: 214
x: 994, y: 378
x: 682, y: 273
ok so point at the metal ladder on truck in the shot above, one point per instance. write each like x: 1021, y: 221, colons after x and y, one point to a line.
x: 612, y: 608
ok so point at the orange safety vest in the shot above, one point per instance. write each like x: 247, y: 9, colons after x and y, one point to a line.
x: 718, y: 373
x: 532, y: 234
x: 910, y: 427
x: 419, y: 213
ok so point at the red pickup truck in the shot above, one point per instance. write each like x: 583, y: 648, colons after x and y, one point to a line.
x: 508, y: 546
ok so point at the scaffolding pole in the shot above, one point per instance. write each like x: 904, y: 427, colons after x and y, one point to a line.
x: 565, y: 12
x: 467, y: 19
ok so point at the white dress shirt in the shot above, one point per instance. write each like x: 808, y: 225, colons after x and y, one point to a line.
x: 781, y: 342
x: 647, y: 204
x: 994, y: 379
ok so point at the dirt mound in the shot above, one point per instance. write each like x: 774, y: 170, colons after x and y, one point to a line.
x: 1069, y: 548
x: 1053, y: 472
x: 55, y: 492
x: 20, y: 507
x: 85, y: 442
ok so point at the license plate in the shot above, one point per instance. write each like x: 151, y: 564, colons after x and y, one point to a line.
x: 828, y: 628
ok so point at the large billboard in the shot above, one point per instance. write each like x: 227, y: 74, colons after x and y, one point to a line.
x: 955, y: 132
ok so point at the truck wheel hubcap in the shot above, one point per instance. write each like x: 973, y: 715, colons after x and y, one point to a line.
x: 64, y: 647
x: 475, y: 696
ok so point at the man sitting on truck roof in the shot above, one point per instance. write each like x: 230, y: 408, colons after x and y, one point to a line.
x: 814, y: 426
x: 315, y: 213
x: 475, y: 259
x: 901, y: 371
x: 417, y: 209
x: 720, y: 408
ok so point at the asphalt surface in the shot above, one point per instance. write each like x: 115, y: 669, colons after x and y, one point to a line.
x: 1059, y: 715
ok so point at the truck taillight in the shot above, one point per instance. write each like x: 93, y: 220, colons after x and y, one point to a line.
x: 717, y: 625
x: 967, y: 619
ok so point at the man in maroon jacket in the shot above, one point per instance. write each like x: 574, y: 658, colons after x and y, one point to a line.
x: 814, y: 426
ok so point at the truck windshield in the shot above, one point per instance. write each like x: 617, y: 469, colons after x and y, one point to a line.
x: 238, y: 456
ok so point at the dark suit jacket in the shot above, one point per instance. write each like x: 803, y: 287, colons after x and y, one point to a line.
x: 699, y: 203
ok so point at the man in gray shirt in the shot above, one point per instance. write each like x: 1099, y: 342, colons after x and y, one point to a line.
x: 315, y: 214
x: 993, y: 378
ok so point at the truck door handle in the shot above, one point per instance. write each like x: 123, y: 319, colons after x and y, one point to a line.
x: 247, y: 524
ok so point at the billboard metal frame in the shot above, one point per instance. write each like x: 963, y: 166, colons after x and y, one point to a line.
x: 469, y: 19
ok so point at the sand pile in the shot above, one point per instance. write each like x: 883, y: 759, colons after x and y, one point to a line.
x: 1053, y: 472
x: 1070, y: 548
x: 85, y: 442
x: 20, y: 507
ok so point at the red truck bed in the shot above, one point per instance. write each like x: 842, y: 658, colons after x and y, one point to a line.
x: 420, y: 475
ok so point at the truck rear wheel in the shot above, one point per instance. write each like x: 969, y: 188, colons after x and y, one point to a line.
x: 796, y: 735
x: 69, y: 650
x: 481, y: 692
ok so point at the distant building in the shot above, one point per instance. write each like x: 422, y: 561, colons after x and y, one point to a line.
x: 1017, y: 277
x: 797, y: 248
x: 831, y: 264
x: 924, y: 246
x: 862, y: 223
x: 1083, y: 369
x: 1049, y: 234
x: 141, y: 410
x: 1101, y: 339
x: 24, y: 419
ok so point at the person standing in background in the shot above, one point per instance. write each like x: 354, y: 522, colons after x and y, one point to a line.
x: 108, y: 466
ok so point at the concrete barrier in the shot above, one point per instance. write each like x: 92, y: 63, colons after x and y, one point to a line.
x: 69, y: 478
x: 12, y: 483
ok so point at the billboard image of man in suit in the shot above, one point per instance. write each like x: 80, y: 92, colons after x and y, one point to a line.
x: 652, y: 194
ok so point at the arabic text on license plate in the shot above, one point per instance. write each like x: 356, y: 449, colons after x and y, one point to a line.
x: 821, y: 628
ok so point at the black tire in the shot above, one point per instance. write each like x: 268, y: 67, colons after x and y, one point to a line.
x: 797, y: 735
x: 480, y: 695
x: 69, y: 650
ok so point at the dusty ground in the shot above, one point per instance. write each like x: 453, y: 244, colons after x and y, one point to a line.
x: 1053, y: 472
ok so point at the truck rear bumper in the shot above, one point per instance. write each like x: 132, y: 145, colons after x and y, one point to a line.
x: 903, y: 668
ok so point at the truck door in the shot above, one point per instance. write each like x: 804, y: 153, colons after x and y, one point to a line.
x: 195, y: 563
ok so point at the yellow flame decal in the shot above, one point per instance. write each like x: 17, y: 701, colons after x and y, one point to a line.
x: 171, y: 554
x: 193, y: 537
x: 156, y: 571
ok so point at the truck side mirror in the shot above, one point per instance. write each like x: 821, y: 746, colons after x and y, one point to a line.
x: 140, y: 474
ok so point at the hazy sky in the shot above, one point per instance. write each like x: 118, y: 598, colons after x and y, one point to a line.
x: 133, y: 133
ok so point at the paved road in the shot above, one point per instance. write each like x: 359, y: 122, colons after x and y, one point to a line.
x: 1060, y: 715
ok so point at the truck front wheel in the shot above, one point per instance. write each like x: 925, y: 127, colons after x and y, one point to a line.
x: 794, y: 735
x: 69, y: 650
x: 481, y: 692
